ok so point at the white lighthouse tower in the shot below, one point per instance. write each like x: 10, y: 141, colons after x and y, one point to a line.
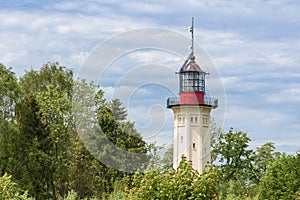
x: 192, y: 115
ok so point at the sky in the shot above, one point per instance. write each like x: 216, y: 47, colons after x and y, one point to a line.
x: 133, y: 49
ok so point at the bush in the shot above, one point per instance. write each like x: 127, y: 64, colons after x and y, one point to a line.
x: 10, y: 190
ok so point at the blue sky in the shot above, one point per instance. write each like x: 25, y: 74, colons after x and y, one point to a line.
x: 254, y: 46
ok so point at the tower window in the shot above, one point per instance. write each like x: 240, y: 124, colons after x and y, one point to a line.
x: 181, y: 139
x: 181, y: 119
x: 194, y: 145
x: 205, y: 120
x: 194, y: 119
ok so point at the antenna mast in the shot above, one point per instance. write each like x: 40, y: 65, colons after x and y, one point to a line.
x: 192, y: 31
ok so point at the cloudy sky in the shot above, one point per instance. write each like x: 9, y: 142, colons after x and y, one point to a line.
x: 133, y: 49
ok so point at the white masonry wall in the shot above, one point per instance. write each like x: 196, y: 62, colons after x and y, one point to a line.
x: 191, y: 135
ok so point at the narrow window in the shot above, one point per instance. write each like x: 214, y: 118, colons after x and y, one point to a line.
x: 196, y: 119
x: 192, y: 119
x: 194, y: 145
x: 205, y: 120
x: 181, y: 139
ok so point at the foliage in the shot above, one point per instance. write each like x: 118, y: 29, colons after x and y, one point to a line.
x: 9, y: 92
x: 118, y: 112
x: 72, y: 195
x: 101, y: 134
x: 215, y: 133
x: 54, y: 131
x: 281, y: 180
x: 10, y: 190
x: 43, y: 118
x: 167, y: 160
x: 122, y: 133
x: 263, y: 157
x: 235, y: 156
x: 241, y: 167
x: 119, y: 189
x: 183, y: 183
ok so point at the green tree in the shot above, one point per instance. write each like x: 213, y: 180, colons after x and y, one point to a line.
x: 9, y: 92
x: 36, y: 155
x: 236, y: 163
x: 215, y: 133
x: 281, y: 179
x: 167, y: 160
x: 263, y: 157
x: 235, y: 156
x: 84, y: 171
x: 51, y: 129
x: 122, y: 134
x: 50, y: 74
x: 100, y: 134
x: 10, y: 189
x: 183, y: 183
x: 119, y: 112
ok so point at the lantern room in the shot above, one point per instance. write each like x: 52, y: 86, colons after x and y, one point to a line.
x: 191, y: 82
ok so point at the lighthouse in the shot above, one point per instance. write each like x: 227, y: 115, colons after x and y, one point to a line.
x: 192, y: 114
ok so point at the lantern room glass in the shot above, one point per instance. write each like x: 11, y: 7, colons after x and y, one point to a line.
x: 192, y: 81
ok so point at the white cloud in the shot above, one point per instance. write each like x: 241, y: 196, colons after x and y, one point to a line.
x: 79, y: 57
x: 254, y: 44
x: 143, y: 7
x: 284, y: 96
x: 63, y: 29
x: 155, y: 56
x: 261, y: 124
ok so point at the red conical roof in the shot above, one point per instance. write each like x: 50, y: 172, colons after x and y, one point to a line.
x: 191, y: 65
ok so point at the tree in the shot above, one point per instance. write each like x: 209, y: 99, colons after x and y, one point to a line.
x: 83, y: 171
x: 9, y: 92
x: 236, y: 159
x: 55, y: 133
x: 215, y: 133
x: 281, y: 179
x: 10, y: 190
x: 167, y: 160
x: 263, y: 157
x: 50, y: 74
x: 183, y: 183
x: 101, y: 133
x: 236, y: 163
x: 36, y: 149
x: 87, y: 176
x: 119, y: 112
x: 118, y: 139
